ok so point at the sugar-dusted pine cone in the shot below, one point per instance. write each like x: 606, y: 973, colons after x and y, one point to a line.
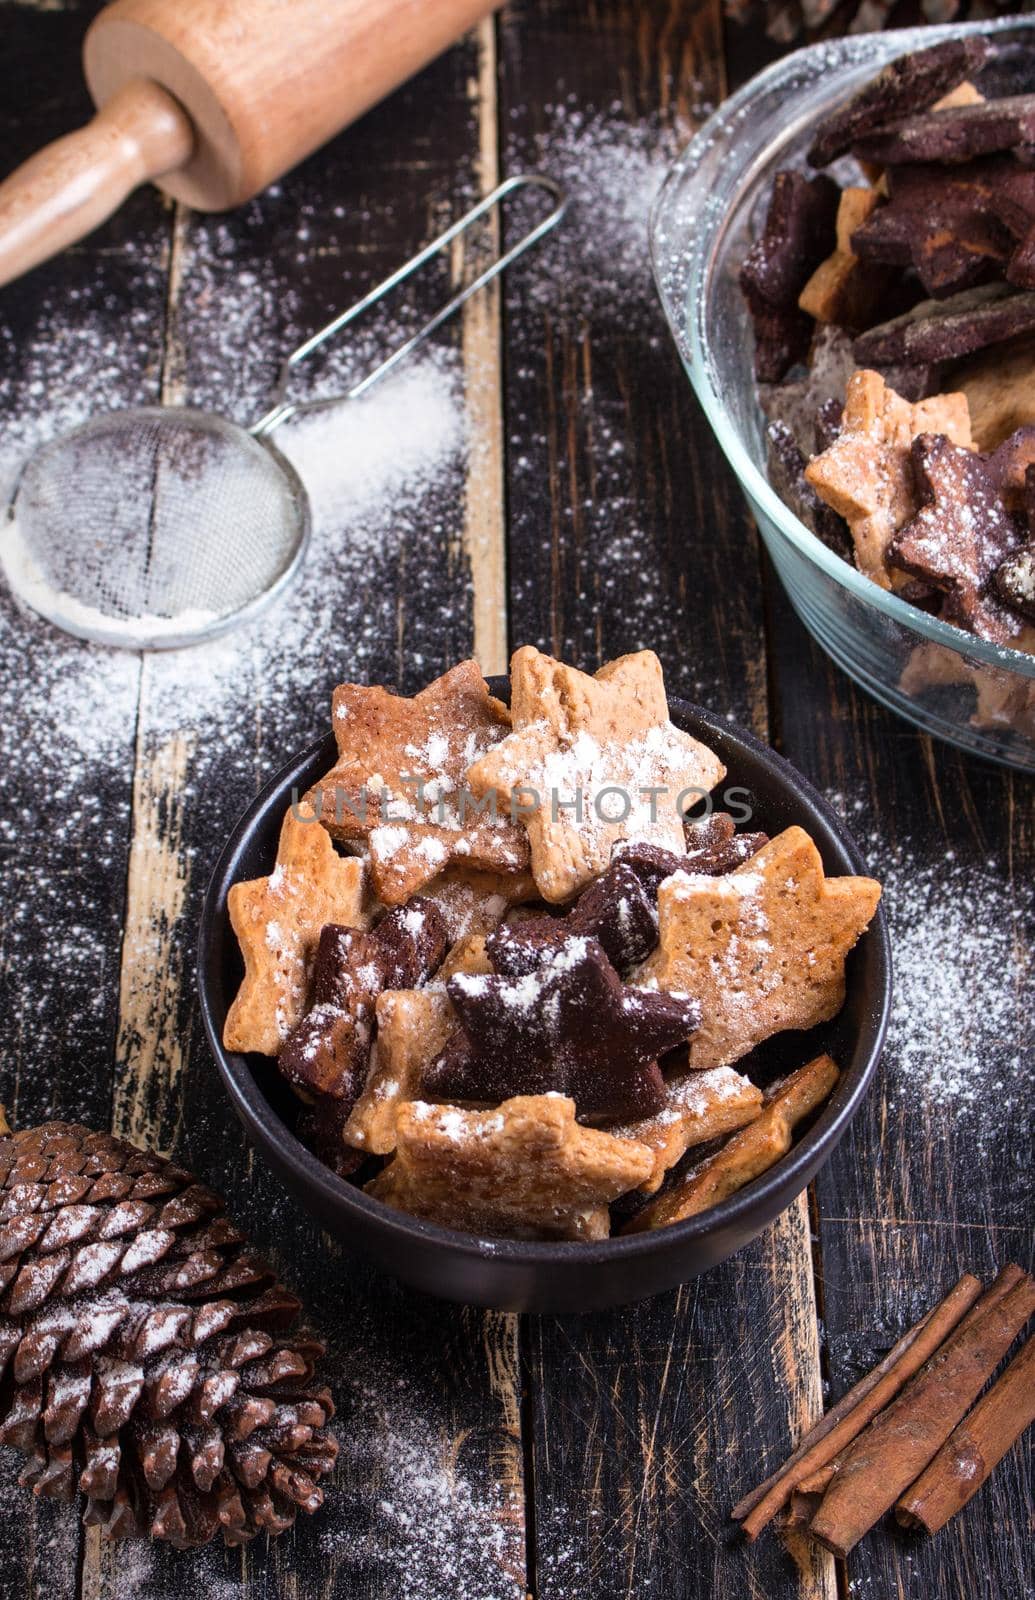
x: 147, y: 1355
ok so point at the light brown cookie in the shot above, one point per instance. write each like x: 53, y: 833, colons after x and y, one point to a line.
x: 466, y: 955
x: 412, y: 1027
x: 866, y: 474
x: 842, y: 290
x: 999, y: 384
x: 762, y: 949
x: 398, y: 781
x: 1004, y: 700
x: 699, y: 1106
x: 592, y: 761
x: 278, y: 920
x: 748, y: 1154
x: 526, y: 1170
x: 477, y: 902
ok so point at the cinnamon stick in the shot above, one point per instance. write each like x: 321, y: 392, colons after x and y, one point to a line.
x: 928, y: 1336
x: 830, y: 1419
x: 818, y: 1482
x: 898, y: 1445
x: 974, y: 1448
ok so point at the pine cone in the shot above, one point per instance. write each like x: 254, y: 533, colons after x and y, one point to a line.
x: 786, y: 20
x: 144, y: 1351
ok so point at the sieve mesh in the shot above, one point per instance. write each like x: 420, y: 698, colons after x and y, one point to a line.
x: 156, y: 525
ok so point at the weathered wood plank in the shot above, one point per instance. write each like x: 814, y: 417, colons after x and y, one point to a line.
x: 929, y: 1182
x: 80, y: 334
x: 403, y: 571
x: 623, y: 534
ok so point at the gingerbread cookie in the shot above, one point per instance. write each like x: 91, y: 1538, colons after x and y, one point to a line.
x: 947, y: 330
x: 749, y: 1153
x: 699, y: 1106
x: 945, y: 222
x: 999, y: 384
x: 412, y: 1027
x: 476, y: 902
x: 277, y: 921
x: 798, y: 232
x: 763, y: 949
x: 398, y: 782
x: 959, y: 132
x: 592, y: 761
x: 866, y: 475
x: 525, y: 1170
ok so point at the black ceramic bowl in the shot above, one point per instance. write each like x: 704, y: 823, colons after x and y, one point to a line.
x: 518, y: 1275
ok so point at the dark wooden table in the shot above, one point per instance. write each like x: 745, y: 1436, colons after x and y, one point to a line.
x: 483, y: 1455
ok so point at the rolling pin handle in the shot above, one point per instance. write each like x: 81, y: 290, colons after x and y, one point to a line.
x: 65, y: 191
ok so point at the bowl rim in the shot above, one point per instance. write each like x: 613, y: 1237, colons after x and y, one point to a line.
x: 691, y: 338
x: 262, y: 1119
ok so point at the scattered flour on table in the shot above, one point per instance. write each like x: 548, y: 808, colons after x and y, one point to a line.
x: 438, y: 1530
x: 962, y: 937
x: 611, y: 170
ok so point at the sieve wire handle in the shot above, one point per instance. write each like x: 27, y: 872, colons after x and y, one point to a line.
x: 281, y: 409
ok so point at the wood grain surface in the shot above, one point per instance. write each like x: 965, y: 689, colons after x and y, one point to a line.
x: 589, y: 513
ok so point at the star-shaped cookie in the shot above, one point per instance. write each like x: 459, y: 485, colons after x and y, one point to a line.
x: 763, y: 948
x: 866, y: 474
x: 766, y: 1138
x: 592, y: 761
x: 960, y: 534
x: 412, y: 1027
x: 526, y: 1170
x: 943, y: 222
x: 398, y: 781
x: 564, y: 1023
x: 278, y: 920
x: 699, y: 1106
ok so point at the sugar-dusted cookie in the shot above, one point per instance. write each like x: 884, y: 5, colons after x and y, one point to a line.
x: 277, y: 921
x: 412, y: 1027
x: 328, y: 1049
x: 959, y: 535
x: 592, y: 761
x: 866, y: 474
x: 476, y: 902
x: 763, y: 949
x: 698, y: 1106
x: 525, y: 1170
x: 560, y: 1020
x: 398, y: 781
x: 945, y: 222
x: 952, y: 133
x: 749, y: 1153
x: 992, y: 315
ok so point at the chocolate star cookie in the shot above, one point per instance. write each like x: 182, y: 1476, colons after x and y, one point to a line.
x: 566, y: 1025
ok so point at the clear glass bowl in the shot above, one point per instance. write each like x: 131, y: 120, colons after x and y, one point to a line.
x: 947, y: 682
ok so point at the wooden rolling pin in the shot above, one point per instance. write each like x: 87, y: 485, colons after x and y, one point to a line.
x: 213, y: 100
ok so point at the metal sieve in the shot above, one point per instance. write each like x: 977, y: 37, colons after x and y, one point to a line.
x: 163, y: 526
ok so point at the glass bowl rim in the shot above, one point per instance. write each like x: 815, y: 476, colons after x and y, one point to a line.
x: 694, y: 346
